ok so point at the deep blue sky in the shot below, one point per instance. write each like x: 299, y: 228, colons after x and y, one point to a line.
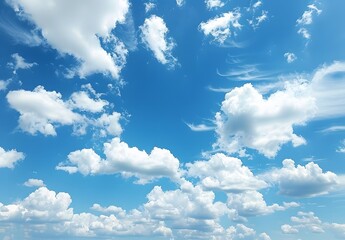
x: 209, y: 119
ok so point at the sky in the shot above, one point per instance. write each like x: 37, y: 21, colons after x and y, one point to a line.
x: 209, y: 119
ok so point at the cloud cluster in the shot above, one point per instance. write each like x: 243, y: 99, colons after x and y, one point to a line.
x: 42, y: 111
x: 128, y: 161
x: 249, y: 120
x: 290, y: 57
x: 224, y: 173
x: 185, y: 213
x: 69, y: 28
x: 310, y: 222
x: 214, y: 4
x: 154, y: 35
x: 222, y: 26
x: 302, y: 181
x: 307, y: 19
x: 8, y: 159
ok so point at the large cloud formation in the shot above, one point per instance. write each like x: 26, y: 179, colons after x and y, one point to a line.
x: 81, y: 29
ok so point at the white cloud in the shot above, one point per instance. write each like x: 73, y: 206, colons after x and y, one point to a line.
x: 222, y: 26
x: 252, y: 203
x: 149, y: 6
x: 154, y: 35
x: 302, y: 181
x: 8, y: 159
x: 82, y: 101
x: 327, y: 86
x: 129, y: 161
x: 248, y: 120
x: 308, y: 221
x: 290, y: 57
x: 19, y: 63
x: 110, y: 209
x: 70, y: 29
x: 32, y: 182
x: 109, y: 124
x: 180, y: 3
x: 224, y: 173
x: 341, y: 148
x: 4, y: 84
x: 255, y: 22
x: 214, y: 4
x: 40, y: 110
x: 307, y: 19
x: 264, y: 236
x: 333, y: 129
x: 288, y: 229
x: 186, y: 206
x: 41, y: 206
x: 199, y: 127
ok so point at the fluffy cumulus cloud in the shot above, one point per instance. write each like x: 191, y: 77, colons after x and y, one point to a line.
x: 252, y: 203
x: 214, y: 4
x: 154, y: 34
x: 288, y: 229
x: 222, y: 26
x: 129, y: 161
x: 224, y: 173
x: 248, y: 120
x: 302, y: 181
x: 70, y: 29
x: 290, y: 57
x: 19, y: 63
x: 308, y: 221
x: 33, y: 182
x: 8, y: 159
x: 188, y: 212
x: 42, y: 111
x: 307, y: 19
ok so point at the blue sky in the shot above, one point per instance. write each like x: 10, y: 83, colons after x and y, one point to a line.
x: 170, y: 119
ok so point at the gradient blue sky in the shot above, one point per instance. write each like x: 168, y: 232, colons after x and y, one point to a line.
x: 183, y: 119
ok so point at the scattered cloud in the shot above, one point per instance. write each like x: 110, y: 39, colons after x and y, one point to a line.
x: 33, y: 182
x: 8, y: 159
x: 288, y: 229
x: 128, y: 161
x: 248, y: 120
x: 180, y: 3
x: 149, y: 6
x: 290, y: 57
x: 307, y: 19
x: 224, y: 173
x: 79, y: 34
x: 19, y: 63
x: 154, y: 35
x: 341, y: 148
x: 222, y: 26
x: 252, y: 203
x: 333, y: 129
x: 310, y: 222
x: 42, y: 111
x: 302, y: 181
x: 200, y: 127
x: 214, y: 4
x: 4, y: 84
